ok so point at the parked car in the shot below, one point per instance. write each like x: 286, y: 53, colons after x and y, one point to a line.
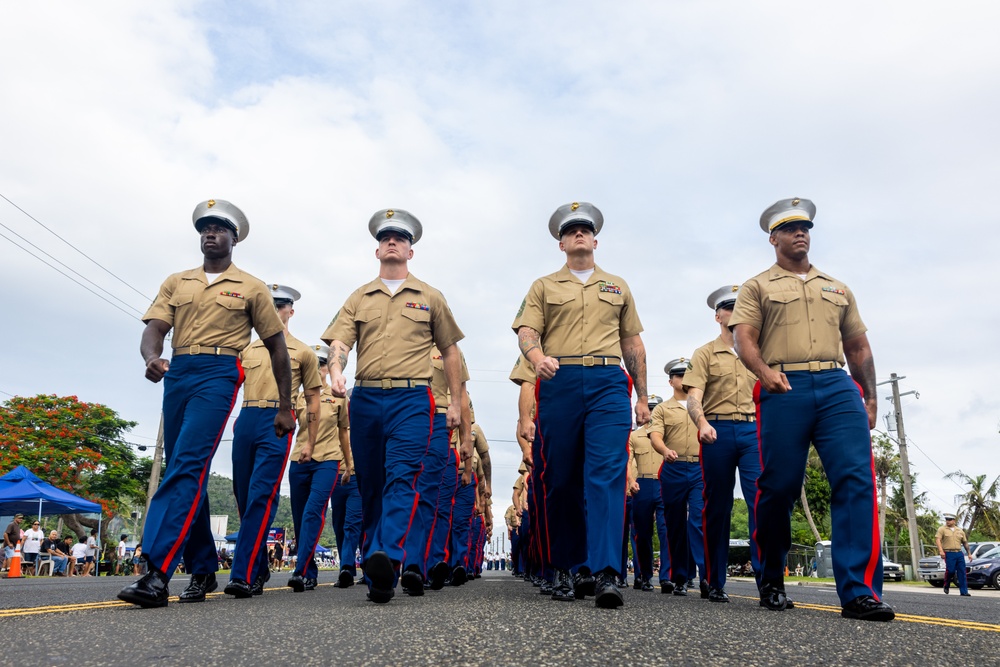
x: 892, y: 571
x: 985, y: 571
x: 932, y: 567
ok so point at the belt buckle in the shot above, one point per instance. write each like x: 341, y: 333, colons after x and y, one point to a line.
x: 194, y: 349
x: 386, y: 383
x: 814, y: 366
x: 262, y: 404
x: 588, y: 361
x: 217, y: 350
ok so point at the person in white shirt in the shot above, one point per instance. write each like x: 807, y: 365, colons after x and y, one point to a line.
x: 91, y: 553
x: 120, y: 555
x: 32, y: 544
x: 78, y: 552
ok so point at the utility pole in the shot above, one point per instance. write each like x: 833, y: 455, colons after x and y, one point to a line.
x: 904, y: 465
x: 154, y: 473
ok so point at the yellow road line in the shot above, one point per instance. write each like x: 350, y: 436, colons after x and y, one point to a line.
x: 905, y: 618
x: 86, y: 606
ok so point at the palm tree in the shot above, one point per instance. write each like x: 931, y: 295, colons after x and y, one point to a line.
x: 980, y: 504
x: 886, y: 468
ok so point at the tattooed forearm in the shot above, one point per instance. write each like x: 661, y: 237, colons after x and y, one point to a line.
x: 528, y: 339
x: 634, y: 353
x: 862, y: 364
x: 340, y: 354
x: 695, y: 410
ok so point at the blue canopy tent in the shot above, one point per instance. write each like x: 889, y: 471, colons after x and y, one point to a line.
x: 22, y: 491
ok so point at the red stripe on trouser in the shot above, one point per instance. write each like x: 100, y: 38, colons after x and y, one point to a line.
x: 416, y: 475
x: 451, y: 514
x: 265, y: 523
x: 704, y: 513
x: 545, y: 549
x: 628, y: 442
x: 876, y: 541
x: 322, y: 524
x: 760, y: 455
x: 437, y: 504
x: 201, y: 479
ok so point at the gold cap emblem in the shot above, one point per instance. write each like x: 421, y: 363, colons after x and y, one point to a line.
x: 795, y: 202
x: 574, y: 206
x: 274, y: 288
x: 736, y: 288
x: 390, y: 213
x: 211, y: 203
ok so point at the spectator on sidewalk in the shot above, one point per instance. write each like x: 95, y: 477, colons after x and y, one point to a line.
x: 120, y: 555
x: 53, y: 547
x: 32, y: 544
x: 11, y: 536
x: 91, y: 557
x: 78, y: 555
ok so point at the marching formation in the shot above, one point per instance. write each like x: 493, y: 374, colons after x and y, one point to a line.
x: 406, y: 469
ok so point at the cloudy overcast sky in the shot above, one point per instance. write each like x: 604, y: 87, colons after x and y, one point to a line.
x: 682, y: 121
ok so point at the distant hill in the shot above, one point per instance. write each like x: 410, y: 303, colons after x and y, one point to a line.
x: 222, y: 501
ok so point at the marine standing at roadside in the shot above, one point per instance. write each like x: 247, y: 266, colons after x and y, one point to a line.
x: 321, y: 459
x: 395, y: 320
x: 211, y: 309
x: 794, y: 326
x: 950, y: 540
x: 575, y: 326
x: 720, y: 403
x: 259, y: 457
x: 676, y: 438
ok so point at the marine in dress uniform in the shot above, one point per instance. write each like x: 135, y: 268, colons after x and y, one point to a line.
x: 211, y: 309
x: 318, y: 465
x: 794, y: 326
x: 463, y: 515
x: 647, y: 508
x: 537, y: 570
x: 439, y: 479
x: 575, y: 326
x: 950, y: 540
x: 259, y: 457
x: 676, y: 439
x: 395, y: 320
x: 720, y: 403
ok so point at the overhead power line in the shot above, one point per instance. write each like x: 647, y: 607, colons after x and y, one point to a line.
x: 91, y: 259
x: 54, y: 268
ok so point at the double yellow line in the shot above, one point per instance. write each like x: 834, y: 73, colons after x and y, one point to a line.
x: 906, y: 618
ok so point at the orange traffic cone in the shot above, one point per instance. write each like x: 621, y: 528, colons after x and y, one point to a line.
x: 14, y: 567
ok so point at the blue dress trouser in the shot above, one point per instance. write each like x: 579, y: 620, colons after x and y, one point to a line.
x: 439, y: 547
x: 390, y: 435
x: 735, y: 448
x: 476, y: 536
x: 259, y: 460
x: 681, y: 487
x: 647, y: 512
x: 345, y: 512
x: 954, y: 566
x: 199, y: 392
x: 627, y: 535
x: 524, y: 538
x: 461, y: 522
x: 311, y: 485
x: 584, y: 418
x: 418, y: 540
x: 537, y: 545
x: 515, y: 544
x: 826, y: 409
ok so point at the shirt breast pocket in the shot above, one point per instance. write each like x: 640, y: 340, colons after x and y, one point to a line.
x: 417, y: 327
x: 834, y: 306
x: 232, y: 311
x: 719, y: 369
x: 179, y: 301
x: 611, y: 306
x: 786, y: 308
x: 250, y: 364
x: 560, y: 310
x: 367, y: 322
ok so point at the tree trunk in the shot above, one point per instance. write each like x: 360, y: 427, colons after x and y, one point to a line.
x: 809, y: 516
x: 79, y: 524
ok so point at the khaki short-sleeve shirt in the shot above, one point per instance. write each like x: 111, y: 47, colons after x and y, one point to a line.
x: 217, y: 315
x: 439, y: 382
x: 332, y: 417
x: 523, y: 372
x: 519, y: 483
x: 728, y: 385
x: 671, y: 420
x: 647, y: 459
x: 576, y: 319
x: 633, y: 467
x: 259, y: 384
x: 510, y: 517
x: 798, y: 320
x: 479, y: 441
x: 951, y: 538
x: 394, y: 333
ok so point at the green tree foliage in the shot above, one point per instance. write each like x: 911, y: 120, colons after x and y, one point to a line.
x: 739, y: 529
x: 979, y: 506
x: 73, y: 445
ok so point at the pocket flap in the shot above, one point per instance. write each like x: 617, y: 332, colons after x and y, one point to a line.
x: 417, y: 315
x: 231, y: 302
x: 559, y: 299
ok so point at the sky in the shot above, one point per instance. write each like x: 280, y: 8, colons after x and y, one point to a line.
x: 682, y: 121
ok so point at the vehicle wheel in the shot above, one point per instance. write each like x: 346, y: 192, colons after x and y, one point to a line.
x: 936, y: 584
x: 995, y: 580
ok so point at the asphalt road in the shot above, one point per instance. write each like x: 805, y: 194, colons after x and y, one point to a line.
x: 496, y: 620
